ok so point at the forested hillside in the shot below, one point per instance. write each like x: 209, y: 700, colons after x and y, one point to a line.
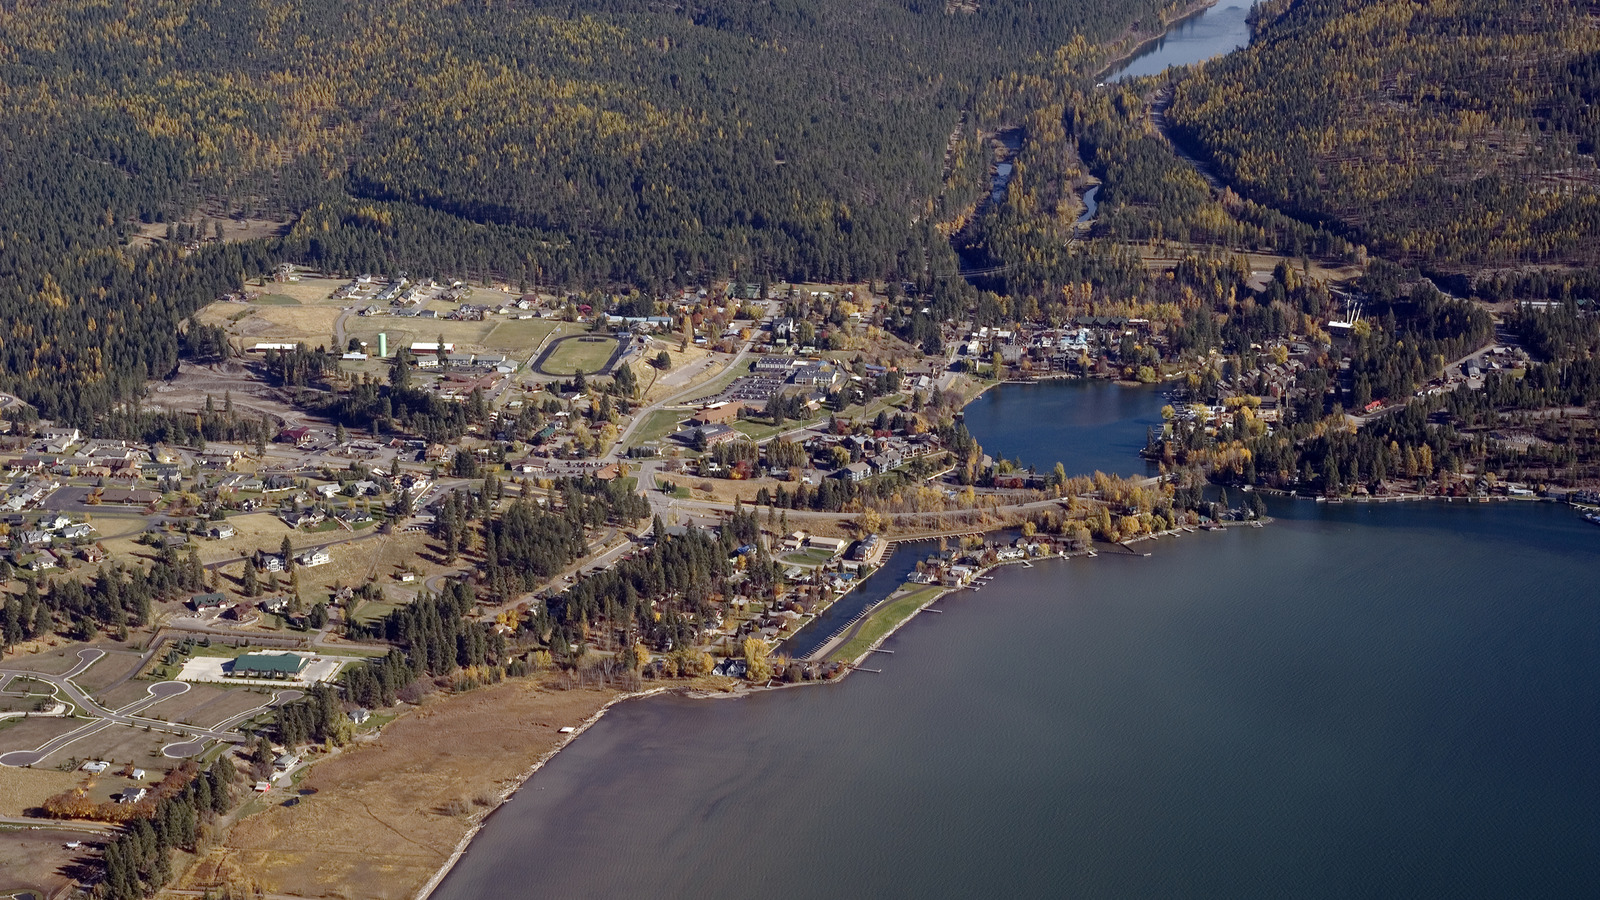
x: 1453, y: 135
x: 554, y: 142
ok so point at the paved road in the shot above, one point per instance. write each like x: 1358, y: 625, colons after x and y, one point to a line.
x: 127, y: 715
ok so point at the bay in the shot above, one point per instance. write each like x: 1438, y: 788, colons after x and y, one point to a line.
x: 1356, y: 701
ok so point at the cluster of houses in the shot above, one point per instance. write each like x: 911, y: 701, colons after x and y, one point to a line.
x: 50, y: 539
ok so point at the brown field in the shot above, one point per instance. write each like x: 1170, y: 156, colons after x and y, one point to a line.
x: 118, y: 744
x: 50, y: 662
x: 23, y: 789
x: 123, y: 694
x: 175, y: 708
x: 108, y: 668
x: 311, y: 324
x: 380, y: 822
x: 217, y: 708
x: 36, y: 859
x: 27, y: 734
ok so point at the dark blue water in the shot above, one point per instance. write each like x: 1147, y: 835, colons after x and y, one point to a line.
x: 1087, y: 426
x: 1211, y: 32
x: 1356, y: 701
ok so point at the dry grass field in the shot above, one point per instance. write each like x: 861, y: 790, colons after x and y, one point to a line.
x: 27, y: 734
x: 108, y: 668
x: 386, y: 815
x: 24, y: 789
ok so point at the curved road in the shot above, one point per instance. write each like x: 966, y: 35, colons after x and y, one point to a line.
x: 104, y: 718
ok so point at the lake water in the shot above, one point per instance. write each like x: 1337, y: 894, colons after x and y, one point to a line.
x: 1356, y: 701
x: 1085, y: 425
x: 1209, y: 33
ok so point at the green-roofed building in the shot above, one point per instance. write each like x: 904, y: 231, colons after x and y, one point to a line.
x: 268, y: 665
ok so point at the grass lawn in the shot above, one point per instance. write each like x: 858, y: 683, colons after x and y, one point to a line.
x: 276, y: 300
x: 680, y: 491
x: 580, y: 355
x: 657, y: 426
x: 816, y: 556
x: 883, y: 620
x: 372, y: 610
x: 760, y: 431
x: 519, y: 336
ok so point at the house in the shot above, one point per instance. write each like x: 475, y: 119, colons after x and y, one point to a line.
x: 132, y: 795
x: 43, y: 560
x: 286, y: 762
x: 315, y: 557
x: 96, y: 766
x: 93, y: 554
x: 359, y: 716
x: 207, y: 601
x: 268, y: 665
x: 270, y: 563
x: 73, y: 532
x: 137, y: 774
x: 299, y: 436
x: 54, y: 522
x: 328, y: 490
x: 308, y: 519
x: 35, y: 538
x: 222, y: 531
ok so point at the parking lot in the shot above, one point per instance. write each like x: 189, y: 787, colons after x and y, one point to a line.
x: 214, y: 669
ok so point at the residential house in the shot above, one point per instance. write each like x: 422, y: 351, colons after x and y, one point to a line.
x: 207, y: 601
x: 315, y: 557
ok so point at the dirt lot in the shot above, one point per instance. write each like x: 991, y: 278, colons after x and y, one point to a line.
x: 379, y: 824
x: 37, y: 859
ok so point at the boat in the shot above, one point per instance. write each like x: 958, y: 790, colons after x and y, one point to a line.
x: 1592, y: 518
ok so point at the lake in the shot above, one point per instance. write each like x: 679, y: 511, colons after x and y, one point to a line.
x: 1397, y: 700
x: 1359, y: 700
x: 1087, y: 425
x: 1212, y: 32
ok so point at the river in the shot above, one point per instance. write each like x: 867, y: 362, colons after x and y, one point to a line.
x: 1209, y: 33
x: 1369, y: 700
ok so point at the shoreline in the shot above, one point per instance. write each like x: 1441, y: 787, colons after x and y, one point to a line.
x: 1188, y: 12
x: 510, y: 790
